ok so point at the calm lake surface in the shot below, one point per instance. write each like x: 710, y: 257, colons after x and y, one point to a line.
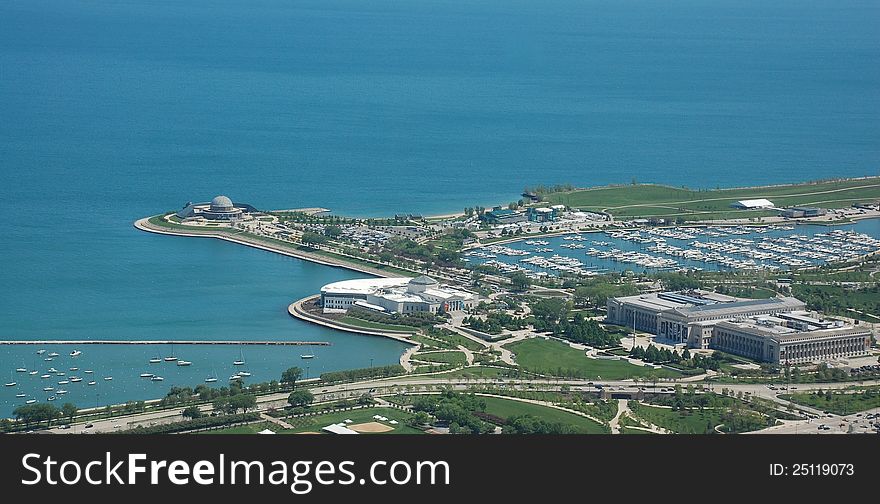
x: 110, y: 111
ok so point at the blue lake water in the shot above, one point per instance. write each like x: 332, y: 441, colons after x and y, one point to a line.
x: 110, y: 111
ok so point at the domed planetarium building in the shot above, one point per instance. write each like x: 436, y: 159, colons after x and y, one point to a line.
x: 221, y: 208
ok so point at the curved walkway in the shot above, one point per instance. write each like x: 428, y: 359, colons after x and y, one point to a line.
x: 296, y: 310
x: 145, y: 225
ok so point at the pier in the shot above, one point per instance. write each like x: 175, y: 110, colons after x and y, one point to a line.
x: 163, y: 342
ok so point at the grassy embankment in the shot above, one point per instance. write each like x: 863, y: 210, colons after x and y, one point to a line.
x: 507, y: 408
x: 555, y: 358
x: 651, y: 200
x: 841, y: 403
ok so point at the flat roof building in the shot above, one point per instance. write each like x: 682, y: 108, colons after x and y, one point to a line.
x: 504, y: 216
x: 688, y: 317
x: 777, y: 340
x: 751, y: 204
x: 395, y: 295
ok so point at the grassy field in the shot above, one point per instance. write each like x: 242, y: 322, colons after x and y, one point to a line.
x: 555, y: 358
x: 839, y: 403
x: 455, y: 358
x: 657, y: 200
x: 244, y: 429
x: 682, y: 422
x: 315, y: 423
x: 477, y: 372
x: 457, y: 339
x: 506, y: 408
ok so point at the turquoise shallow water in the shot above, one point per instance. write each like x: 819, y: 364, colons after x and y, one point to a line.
x: 110, y: 111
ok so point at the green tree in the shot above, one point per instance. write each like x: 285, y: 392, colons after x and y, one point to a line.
x: 291, y: 375
x: 192, y: 413
x: 300, y: 398
x: 520, y: 281
x: 69, y: 411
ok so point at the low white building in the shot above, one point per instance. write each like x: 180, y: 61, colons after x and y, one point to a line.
x: 395, y: 295
x: 753, y: 204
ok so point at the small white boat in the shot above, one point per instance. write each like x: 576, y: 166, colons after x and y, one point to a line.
x: 20, y: 395
x: 244, y: 374
x: 21, y: 370
x: 54, y: 354
x: 11, y: 384
x: 93, y: 382
x: 59, y: 373
x: 41, y: 352
x: 34, y: 372
x: 155, y: 360
x: 75, y: 353
x: 48, y: 359
x: 157, y: 378
x: 210, y: 380
x: 48, y: 389
x: 52, y: 370
x: 50, y: 398
x: 234, y: 377
x: 108, y: 378
x: 75, y: 379
x: 307, y: 356
x: 74, y: 369
x: 147, y: 375
x: 45, y: 376
x: 61, y: 392
x: 88, y: 371
x: 30, y: 401
x: 63, y: 382
x: 238, y: 362
x: 184, y: 363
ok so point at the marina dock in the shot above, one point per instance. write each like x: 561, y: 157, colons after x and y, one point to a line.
x: 163, y: 342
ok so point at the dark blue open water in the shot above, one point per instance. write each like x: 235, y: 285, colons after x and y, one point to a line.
x: 110, y: 111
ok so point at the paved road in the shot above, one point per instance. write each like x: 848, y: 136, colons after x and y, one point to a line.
x: 392, y: 385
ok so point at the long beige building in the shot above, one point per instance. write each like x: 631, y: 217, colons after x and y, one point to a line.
x: 771, y: 330
x: 777, y: 340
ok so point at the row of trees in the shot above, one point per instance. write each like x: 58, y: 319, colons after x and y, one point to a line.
x: 34, y: 414
x: 552, y: 315
x: 495, y: 322
x: 457, y: 410
x: 684, y: 359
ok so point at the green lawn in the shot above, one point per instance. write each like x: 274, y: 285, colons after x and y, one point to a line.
x: 506, y: 408
x: 558, y: 359
x: 845, y: 403
x: 457, y: 339
x: 455, y: 358
x: 629, y: 430
x: 682, y: 422
x: 315, y: 423
x: 651, y: 199
x: 477, y: 372
x: 244, y: 429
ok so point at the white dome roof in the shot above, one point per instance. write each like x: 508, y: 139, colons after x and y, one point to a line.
x: 221, y: 203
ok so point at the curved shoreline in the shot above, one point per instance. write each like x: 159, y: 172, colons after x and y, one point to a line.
x: 144, y: 225
x: 295, y: 310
